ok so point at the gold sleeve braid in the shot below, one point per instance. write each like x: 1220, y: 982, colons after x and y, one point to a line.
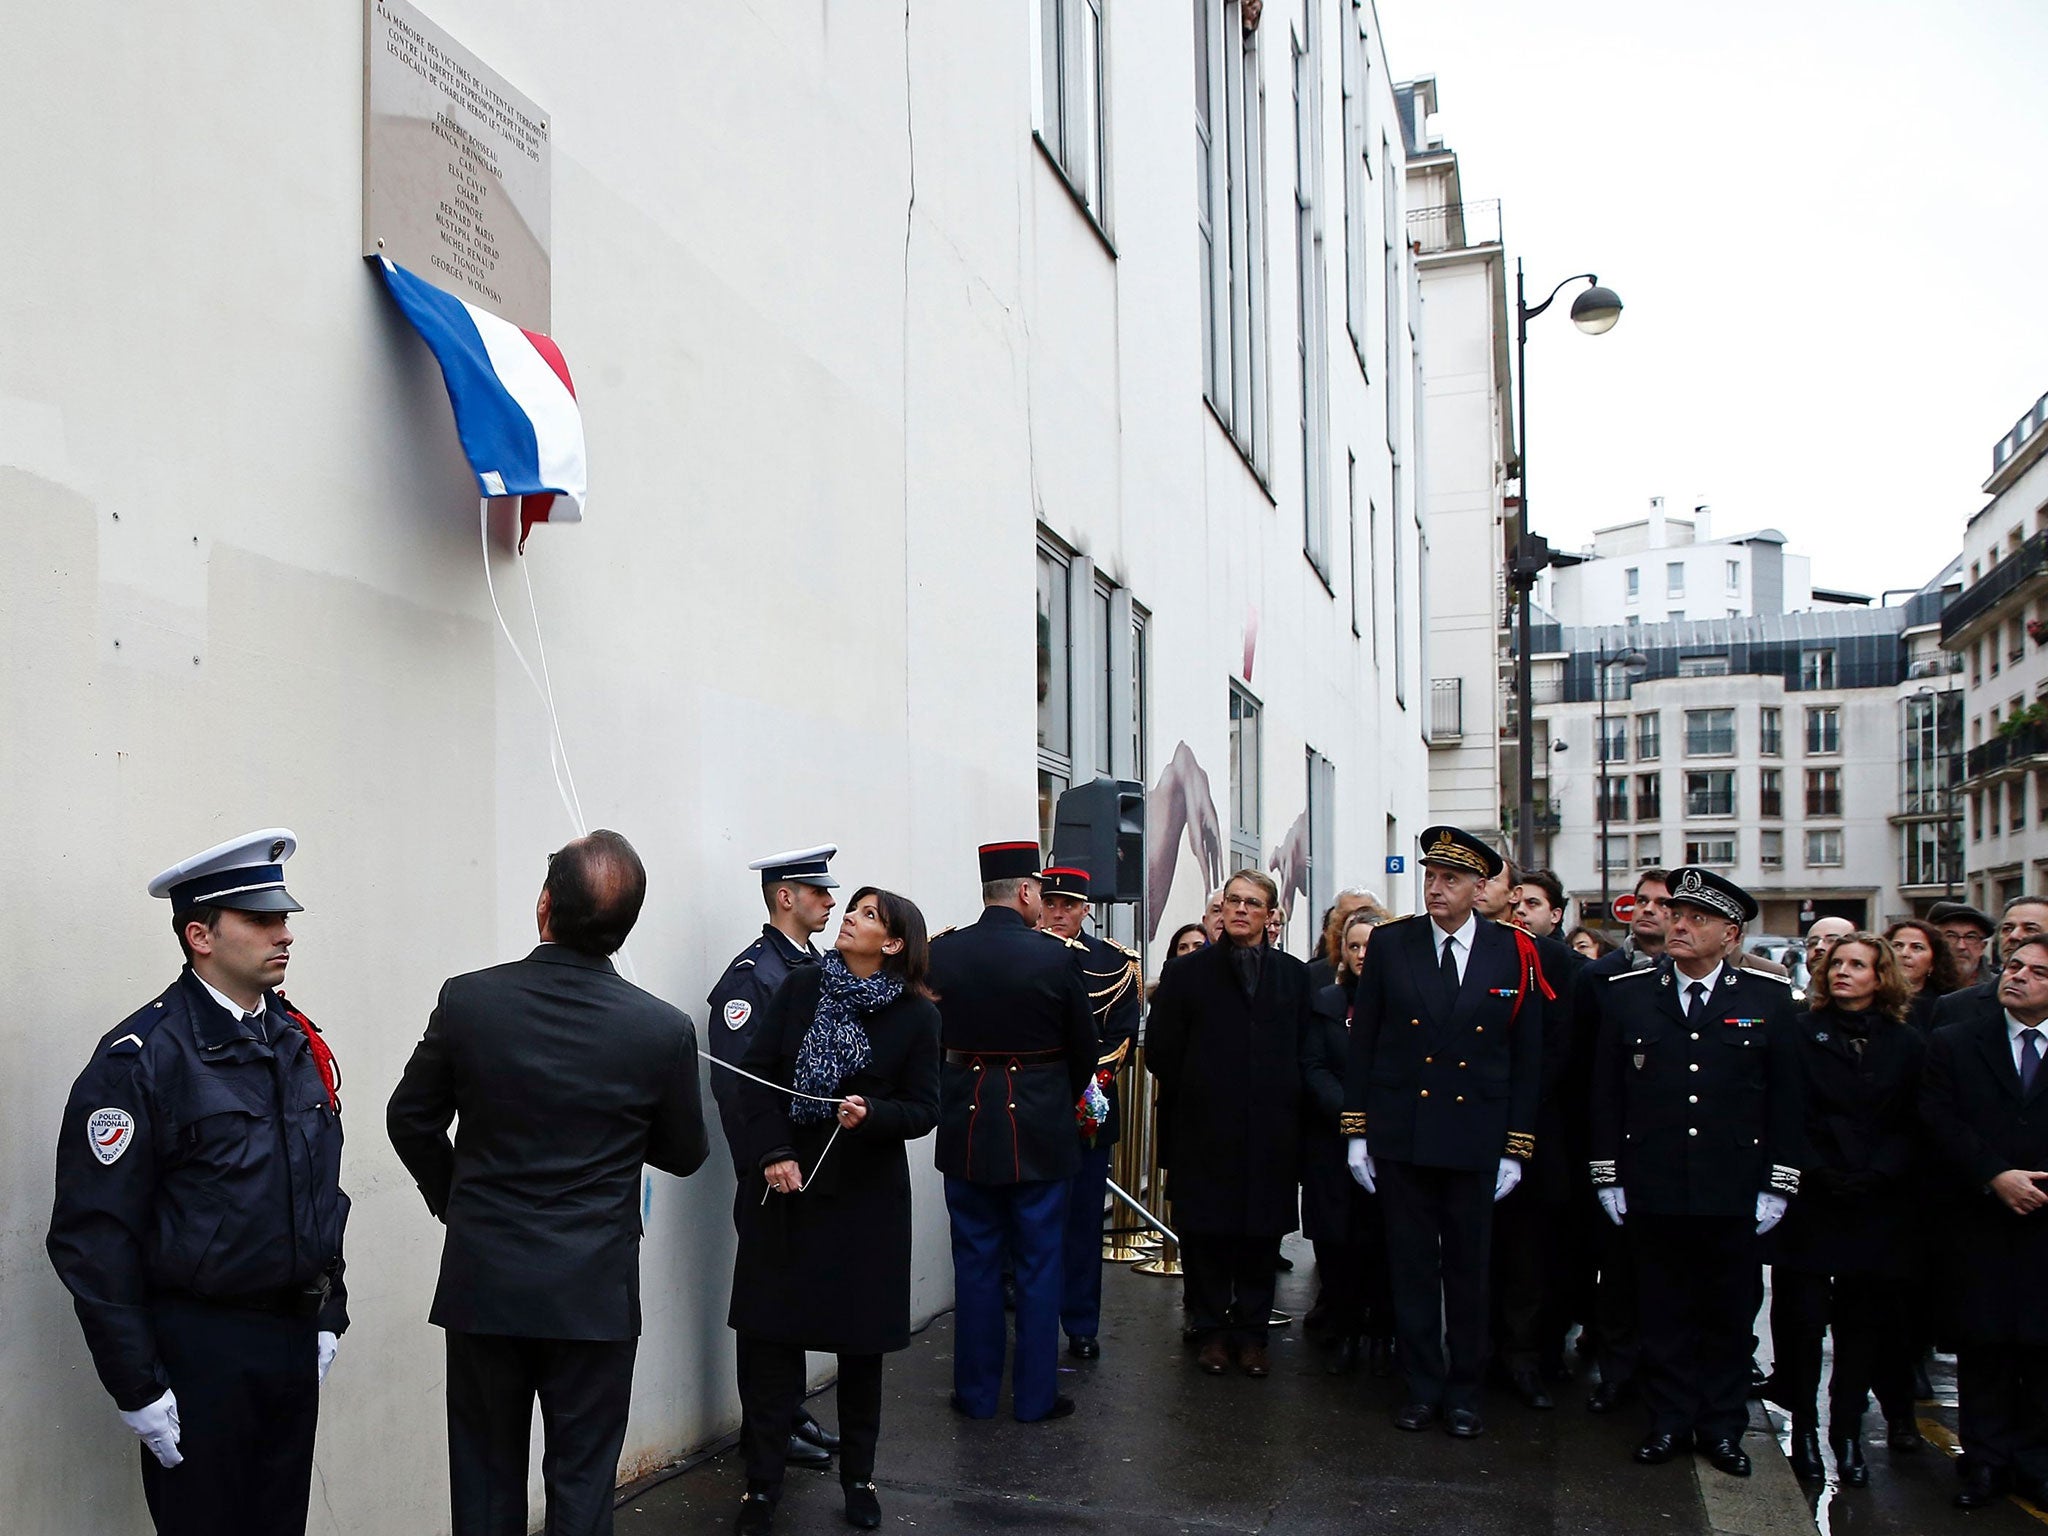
x: 1521, y: 1145
x: 1351, y: 1123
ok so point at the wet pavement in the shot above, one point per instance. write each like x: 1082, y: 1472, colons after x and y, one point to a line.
x: 1156, y: 1447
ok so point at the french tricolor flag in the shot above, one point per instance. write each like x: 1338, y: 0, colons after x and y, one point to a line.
x: 515, y: 408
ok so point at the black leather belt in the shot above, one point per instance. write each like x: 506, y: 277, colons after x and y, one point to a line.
x: 1005, y: 1058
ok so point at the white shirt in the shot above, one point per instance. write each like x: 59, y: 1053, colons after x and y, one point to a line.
x: 1686, y: 983
x: 2014, y: 1031
x: 1460, y: 941
x: 235, y: 1008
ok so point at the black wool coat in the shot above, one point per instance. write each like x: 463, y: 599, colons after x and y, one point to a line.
x: 829, y: 1267
x: 1980, y: 1124
x: 1859, y: 1200
x: 1328, y: 1192
x: 1229, y: 1071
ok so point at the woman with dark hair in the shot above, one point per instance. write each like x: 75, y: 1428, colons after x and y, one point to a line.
x: 1845, y: 1253
x: 1187, y: 938
x: 824, y: 1226
x: 1929, y: 968
x: 1588, y: 943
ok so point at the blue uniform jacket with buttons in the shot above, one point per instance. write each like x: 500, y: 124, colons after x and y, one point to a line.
x: 1438, y: 1086
x: 196, y: 1158
x: 1110, y: 973
x: 1696, y: 1118
x: 738, y: 1002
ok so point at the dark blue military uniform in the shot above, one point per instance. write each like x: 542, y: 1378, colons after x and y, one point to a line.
x: 198, y: 1226
x: 1110, y: 973
x: 1020, y: 1046
x: 737, y: 1003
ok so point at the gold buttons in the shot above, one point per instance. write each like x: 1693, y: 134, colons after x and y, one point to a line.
x: 1461, y: 1066
x: 1461, y: 1098
x: 1013, y: 1103
x: 1425, y: 1093
x: 1478, y: 1029
x: 1429, y: 1061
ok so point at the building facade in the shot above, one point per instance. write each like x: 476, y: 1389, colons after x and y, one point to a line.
x: 979, y: 399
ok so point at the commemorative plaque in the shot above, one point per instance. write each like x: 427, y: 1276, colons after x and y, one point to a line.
x: 455, y: 167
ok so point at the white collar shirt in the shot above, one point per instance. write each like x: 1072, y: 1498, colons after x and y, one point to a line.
x: 1460, y: 940
x: 1686, y: 984
x: 254, y: 1016
x: 2016, y: 1036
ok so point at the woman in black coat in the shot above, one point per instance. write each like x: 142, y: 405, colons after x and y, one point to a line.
x: 1341, y: 1219
x: 824, y: 1227
x: 1929, y: 968
x: 1846, y: 1251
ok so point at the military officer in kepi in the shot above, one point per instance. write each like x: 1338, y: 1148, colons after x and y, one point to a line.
x: 1697, y: 1148
x: 1020, y: 1047
x: 1110, y: 973
x: 1440, y: 1103
x: 797, y: 888
x: 199, y: 1211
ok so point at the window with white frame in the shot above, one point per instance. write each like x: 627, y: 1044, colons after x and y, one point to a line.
x: 1709, y: 733
x: 1817, y: 669
x: 1824, y: 727
x: 1823, y: 791
x: 1632, y: 580
x: 1351, y: 530
x: 1055, y: 686
x: 1390, y: 298
x: 1823, y: 848
x: 1700, y: 666
x: 1674, y: 578
x: 1614, y: 744
x: 1311, y: 298
x: 1617, y: 853
x: 1229, y: 162
x: 1649, y: 850
x: 1770, y: 849
x: 1400, y: 600
x: 1770, y: 731
x: 1091, y: 679
x: 1649, y: 797
x: 1710, y: 793
x: 1322, y: 834
x: 1072, y: 116
x: 1712, y: 852
x: 1355, y: 64
x: 1770, y: 792
x: 1734, y: 577
x: 1611, y: 799
x: 1649, y: 737
x: 1244, y: 779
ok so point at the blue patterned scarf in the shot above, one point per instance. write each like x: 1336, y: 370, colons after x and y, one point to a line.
x: 836, y: 1046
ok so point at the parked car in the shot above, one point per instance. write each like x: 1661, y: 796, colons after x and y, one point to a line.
x: 1790, y: 953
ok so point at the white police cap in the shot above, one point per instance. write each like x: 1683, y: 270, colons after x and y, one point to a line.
x: 806, y: 866
x: 245, y: 873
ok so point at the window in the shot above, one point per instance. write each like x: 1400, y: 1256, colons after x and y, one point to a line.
x: 1400, y: 600
x: 1322, y: 833
x: 1372, y: 559
x: 2016, y: 805
x: 1816, y: 669
x: 1824, y: 848
x: 1071, y: 116
x: 1633, y: 582
x: 1614, y: 746
x: 1244, y: 779
x: 1055, y: 657
x: 1700, y: 666
x: 1351, y: 530
x: 1715, y: 852
x: 1355, y: 65
x: 1771, y: 731
x: 1230, y: 202
x: 1770, y: 849
x: 1711, y: 793
x: 1611, y: 799
x: 1709, y: 733
x: 1734, y: 578
x: 1976, y: 818
x: 1649, y: 738
x: 1617, y: 853
x: 1103, y: 659
x: 1824, y: 728
x: 1649, y: 850
x: 1674, y: 578
x: 1927, y: 860
x: 1770, y: 793
x: 1311, y: 323
x: 1649, y: 797
x: 1823, y: 791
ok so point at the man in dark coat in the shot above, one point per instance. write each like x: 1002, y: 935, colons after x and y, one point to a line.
x: 1110, y: 973
x: 566, y: 1079
x: 1967, y: 931
x: 1984, y: 1100
x: 1696, y: 1145
x: 1440, y: 1108
x: 1020, y: 1047
x: 1224, y: 1040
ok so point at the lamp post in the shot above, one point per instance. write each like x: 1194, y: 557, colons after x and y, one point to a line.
x: 1635, y: 663
x: 1594, y: 311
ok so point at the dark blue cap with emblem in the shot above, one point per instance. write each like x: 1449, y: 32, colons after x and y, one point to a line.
x: 244, y: 873
x: 1692, y: 886
x: 805, y: 866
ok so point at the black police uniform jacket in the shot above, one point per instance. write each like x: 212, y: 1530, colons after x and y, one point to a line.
x: 201, y: 1156
x: 1328, y: 1192
x: 1697, y: 1119
x: 1020, y: 1046
x: 829, y: 1267
x: 1437, y: 1086
x: 1552, y: 1174
x: 1229, y: 1071
x: 738, y: 1002
x: 1110, y: 974
x: 1980, y: 1124
x: 1859, y: 1184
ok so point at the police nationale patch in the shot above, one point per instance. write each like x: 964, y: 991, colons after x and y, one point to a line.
x: 737, y: 1012
x: 110, y: 1131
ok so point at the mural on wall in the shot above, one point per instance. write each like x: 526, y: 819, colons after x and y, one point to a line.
x: 1289, y: 866
x: 1180, y: 804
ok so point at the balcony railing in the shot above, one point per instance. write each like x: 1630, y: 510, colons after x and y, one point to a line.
x: 1454, y: 226
x: 2006, y: 751
x: 1997, y: 584
x: 1446, y: 710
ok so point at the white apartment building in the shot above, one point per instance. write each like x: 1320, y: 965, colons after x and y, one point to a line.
x: 1467, y: 443
x: 979, y: 398
x: 1997, y: 628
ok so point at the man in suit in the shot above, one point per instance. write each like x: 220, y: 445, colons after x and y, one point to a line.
x: 1982, y: 1099
x: 1440, y: 1106
x: 1966, y: 931
x: 1020, y: 1047
x: 2024, y: 917
x: 1697, y: 1134
x: 566, y: 1078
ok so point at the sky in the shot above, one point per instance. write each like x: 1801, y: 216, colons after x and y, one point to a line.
x: 1827, y: 226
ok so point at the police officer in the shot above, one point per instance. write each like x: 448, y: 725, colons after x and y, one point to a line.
x: 797, y: 888
x: 199, y: 1213
x: 1020, y: 1047
x: 1440, y: 1103
x: 1696, y: 1146
x: 1110, y: 973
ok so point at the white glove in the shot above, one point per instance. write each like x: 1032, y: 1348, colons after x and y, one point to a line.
x: 1614, y: 1203
x: 156, y: 1426
x: 329, y: 1345
x: 1361, y: 1165
x: 1509, y: 1176
x: 1770, y: 1210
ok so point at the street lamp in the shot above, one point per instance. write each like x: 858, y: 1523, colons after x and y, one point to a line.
x: 1594, y: 311
x: 1635, y: 663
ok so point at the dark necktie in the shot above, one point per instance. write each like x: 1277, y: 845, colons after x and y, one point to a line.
x: 1448, y: 969
x: 1696, y: 1009
x: 2030, y: 1058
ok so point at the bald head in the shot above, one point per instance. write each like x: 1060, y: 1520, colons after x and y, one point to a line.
x: 591, y: 897
x: 1823, y: 936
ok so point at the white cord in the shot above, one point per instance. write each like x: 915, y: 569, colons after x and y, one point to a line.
x: 554, y: 742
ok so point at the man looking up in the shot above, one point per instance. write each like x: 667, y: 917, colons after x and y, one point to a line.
x: 1966, y: 931
x: 1539, y: 903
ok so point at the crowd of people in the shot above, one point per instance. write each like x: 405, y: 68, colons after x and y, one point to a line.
x: 1509, y: 1150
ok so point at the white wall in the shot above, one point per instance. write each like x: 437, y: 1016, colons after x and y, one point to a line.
x: 841, y: 341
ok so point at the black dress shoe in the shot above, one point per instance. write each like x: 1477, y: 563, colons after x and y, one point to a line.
x: 1084, y: 1346
x: 863, y: 1508
x: 1849, y: 1462
x: 1805, y: 1454
x: 1725, y: 1455
x: 1758, y: 1381
x: 1464, y: 1424
x: 1061, y: 1407
x: 801, y: 1453
x: 1341, y: 1358
x: 757, y: 1515
x: 1530, y: 1389
x: 808, y: 1428
x: 1983, y: 1485
x: 1282, y: 1265
x: 1610, y: 1395
x: 1902, y: 1437
x: 1656, y: 1449
x: 1414, y: 1416
x: 1380, y: 1358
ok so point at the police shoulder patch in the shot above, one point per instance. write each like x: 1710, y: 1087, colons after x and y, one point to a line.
x: 737, y: 1012
x: 109, y: 1132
